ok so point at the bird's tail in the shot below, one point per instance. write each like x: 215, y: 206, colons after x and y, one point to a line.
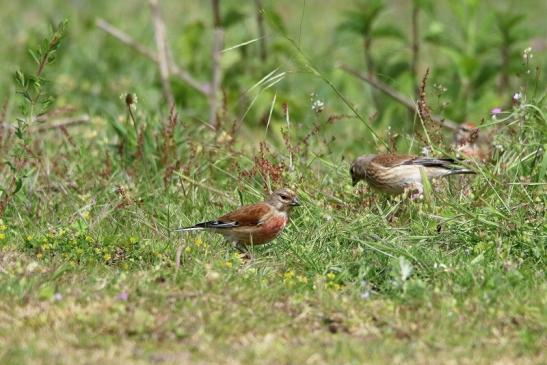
x: 208, y: 225
x: 188, y: 229
x: 461, y: 170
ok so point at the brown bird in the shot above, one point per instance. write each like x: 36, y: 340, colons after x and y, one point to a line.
x: 254, y: 224
x: 470, y: 142
x: 395, y: 174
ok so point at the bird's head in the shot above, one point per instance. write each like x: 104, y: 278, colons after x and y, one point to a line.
x: 358, y: 169
x: 284, y: 199
x: 467, y: 133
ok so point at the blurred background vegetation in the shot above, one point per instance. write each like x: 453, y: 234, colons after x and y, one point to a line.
x: 474, y: 50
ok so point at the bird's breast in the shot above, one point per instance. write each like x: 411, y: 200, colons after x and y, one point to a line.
x: 262, y: 233
x: 276, y: 223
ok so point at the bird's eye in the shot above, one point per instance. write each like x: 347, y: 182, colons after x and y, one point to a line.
x: 284, y: 197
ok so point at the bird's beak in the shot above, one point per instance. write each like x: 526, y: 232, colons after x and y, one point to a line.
x: 295, y: 202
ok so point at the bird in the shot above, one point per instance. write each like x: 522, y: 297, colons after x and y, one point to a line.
x: 254, y: 224
x: 397, y: 173
x: 471, y: 143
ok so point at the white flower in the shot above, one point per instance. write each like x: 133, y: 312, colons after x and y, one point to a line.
x: 405, y: 268
x: 527, y: 54
x: 318, y: 106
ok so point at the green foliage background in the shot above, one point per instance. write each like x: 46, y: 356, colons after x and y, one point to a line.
x: 88, y: 259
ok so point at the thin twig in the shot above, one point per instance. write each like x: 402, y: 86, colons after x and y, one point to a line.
x: 174, y: 69
x: 125, y: 39
x: 54, y: 124
x: 423, y: 108
x: 415, y: 43
x: 216, y: 13
x: 178, y: 255
x: 218, y: 41
x: 396, y: 95
x: 261, y: 30
x: 3, y: 113
x: 63, y: 123
x: 162, y: 50
x: 207, y: 187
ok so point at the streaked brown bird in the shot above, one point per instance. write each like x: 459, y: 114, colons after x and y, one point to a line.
x: 253, y: 224
x: 395, y: 174
x: 472, y: 143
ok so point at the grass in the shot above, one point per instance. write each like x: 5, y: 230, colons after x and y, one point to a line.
x: 89, y: 266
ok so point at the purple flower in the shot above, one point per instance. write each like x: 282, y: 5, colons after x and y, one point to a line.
x: 495, y: 111
x: 123, y: 296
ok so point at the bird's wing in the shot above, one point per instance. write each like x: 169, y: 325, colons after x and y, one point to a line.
x: 392, y: 160
x: 250, y: 215
x: 247, y: 216
x: 442, y: 166
x: 430, y: 162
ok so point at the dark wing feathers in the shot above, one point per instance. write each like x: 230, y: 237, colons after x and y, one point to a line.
x: 448, y: 164
x: 216, y: 224
x: 250, y: 215
x: 433, y: 162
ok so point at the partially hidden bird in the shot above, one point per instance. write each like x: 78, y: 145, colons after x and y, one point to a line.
x: 396, y: 173
x: 253, y: 224
x: 470, y: 142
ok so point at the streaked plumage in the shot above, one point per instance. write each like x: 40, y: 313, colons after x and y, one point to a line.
x: 253, y: 224
x: 395, y: 174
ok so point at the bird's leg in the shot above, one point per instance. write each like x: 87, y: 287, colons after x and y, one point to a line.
x: 415, y: 191
x: 243, y: 250
x: 418, y: 192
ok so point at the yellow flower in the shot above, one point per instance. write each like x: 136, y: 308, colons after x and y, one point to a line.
x: 228, y: 264
x: 84, y: 197
x: 107, y: 257
x: 29, y: 237
x: 2, y: 236
x: 3, y: 227
x: 188, y: 249
x: 238, y: 257
x: 288, y: 275
x: 331, y: 276
x: 85, y: 215
x: 133, y: 240
x: 198, y: 242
